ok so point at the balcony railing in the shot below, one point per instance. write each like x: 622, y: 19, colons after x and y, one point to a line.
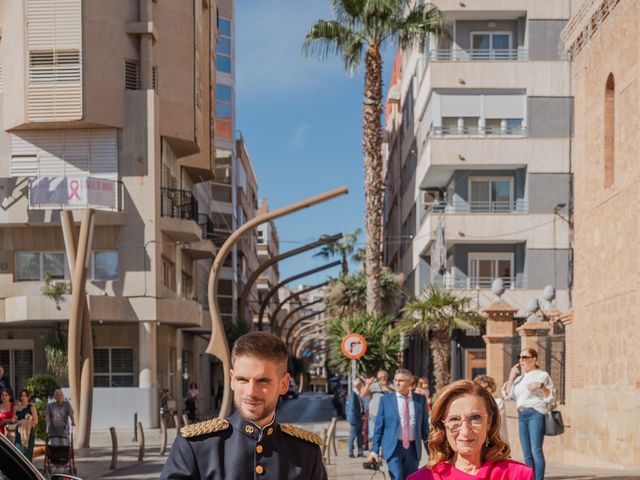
x: 509, y: 131
x: 449, y: 281
x: 515, y: 206
x: 461, y: 55
x: 207, y: 226
x: 177, y: 203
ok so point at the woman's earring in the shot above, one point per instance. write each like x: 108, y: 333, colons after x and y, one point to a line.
x: 486, y: 444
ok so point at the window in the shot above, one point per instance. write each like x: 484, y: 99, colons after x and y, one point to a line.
x: 31, y: 266
x: 113, y: 367
x: 187, y: 285
x: 609, y: 131
x: 484, y: 268
x: 490, y: 45
x: 491, y: 195
x: 261, y: 237
x: 16, y: 356
x: 224, y: 96
x: 223, y: 47
x: 167, y: 273
x: 104, y: 266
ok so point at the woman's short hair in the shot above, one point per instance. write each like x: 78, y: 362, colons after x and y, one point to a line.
x: 26, y: 392
x: 9, y: 392
x: 439, y: 448
x: 486, y: 381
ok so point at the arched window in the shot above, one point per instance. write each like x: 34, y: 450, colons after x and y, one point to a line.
x: 609, y: 131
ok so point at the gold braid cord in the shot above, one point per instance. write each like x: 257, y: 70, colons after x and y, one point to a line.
x: 202, y: 428
x: 301, y: 434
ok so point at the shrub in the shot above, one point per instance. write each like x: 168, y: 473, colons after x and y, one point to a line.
x: 41, y: 406
x: 42, y: 386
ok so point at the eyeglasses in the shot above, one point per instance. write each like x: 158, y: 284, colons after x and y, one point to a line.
x: 454, y: 423
x: 524, y: 356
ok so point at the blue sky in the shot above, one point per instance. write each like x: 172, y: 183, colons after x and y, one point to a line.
x: 301, y: 120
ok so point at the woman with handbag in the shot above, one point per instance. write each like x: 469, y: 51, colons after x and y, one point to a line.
x: 532, y: 389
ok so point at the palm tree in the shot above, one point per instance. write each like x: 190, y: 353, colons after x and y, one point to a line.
x: 438, y: 311
x: 347, y: 295
x: 343, y: 248
x: 360, y: 29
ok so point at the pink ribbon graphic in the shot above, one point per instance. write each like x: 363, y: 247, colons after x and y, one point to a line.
x: 75, y: 186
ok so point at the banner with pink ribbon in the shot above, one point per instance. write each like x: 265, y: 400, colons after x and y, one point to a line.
x: 48, y: 193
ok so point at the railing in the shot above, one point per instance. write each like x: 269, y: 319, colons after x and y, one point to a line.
x: 177, y: 203
x: 437, y: 131
x: 473, y: 283
x: 458, y: 54
x: 515, y: 206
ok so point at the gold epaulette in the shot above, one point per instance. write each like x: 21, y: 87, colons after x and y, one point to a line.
x: 202, y: 428
x: 301, y: 433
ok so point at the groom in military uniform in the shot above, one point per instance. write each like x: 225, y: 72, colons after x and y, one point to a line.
x: 250, y: 444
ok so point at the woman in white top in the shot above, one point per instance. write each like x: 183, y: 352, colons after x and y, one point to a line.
x: 532, y: 389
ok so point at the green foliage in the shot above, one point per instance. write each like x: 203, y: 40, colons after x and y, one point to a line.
x: 41, y: 406
x: 437, y: 308
x: 361, y: 24
x: 57, y: 362
x: 383, y: 343
x: 234, y: 331
x: 55, y: 290
x: 42, y: 386
x: 348, y: 294
x: 343, y: 248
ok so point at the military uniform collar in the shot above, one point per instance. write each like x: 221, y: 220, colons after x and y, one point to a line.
x: 250, y: 429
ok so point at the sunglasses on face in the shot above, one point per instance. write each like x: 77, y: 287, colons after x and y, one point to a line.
x: 521, y: 357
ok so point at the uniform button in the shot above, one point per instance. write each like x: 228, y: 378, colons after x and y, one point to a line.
x: 259, y: 470
x: 259, y: 449
x: 270, y: 431
x: 248, y: 429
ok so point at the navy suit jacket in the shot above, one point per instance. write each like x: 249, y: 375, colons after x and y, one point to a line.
x: 354, y: 409
x: 388, y: 427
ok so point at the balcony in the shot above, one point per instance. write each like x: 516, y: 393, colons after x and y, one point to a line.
x: 463, y: 282
x: 515, y: 206
x: 469, y: 131
x: 461, y: 55
x: 179, y: 215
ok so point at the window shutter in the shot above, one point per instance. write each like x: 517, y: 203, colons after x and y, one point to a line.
x: 54, y: 42
x: 131, y: 75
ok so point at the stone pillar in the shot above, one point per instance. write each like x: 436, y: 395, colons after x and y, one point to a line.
x: 501, y: 330
x: 533, y: 334
x: 148, y: 358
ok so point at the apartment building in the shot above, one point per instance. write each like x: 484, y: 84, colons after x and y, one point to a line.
x: 478, y: 172
x: 268, y: 244
x: 121, y: 92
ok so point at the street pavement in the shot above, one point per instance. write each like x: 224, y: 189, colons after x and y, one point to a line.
x: 310, y: 411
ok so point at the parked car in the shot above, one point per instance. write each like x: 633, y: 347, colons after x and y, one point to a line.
x: 14, y: 465
x: 292, y: 391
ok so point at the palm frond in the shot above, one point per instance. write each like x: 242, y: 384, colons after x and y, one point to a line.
x: 420, y: 21
x: 327, y: 37
x: 348, y: 11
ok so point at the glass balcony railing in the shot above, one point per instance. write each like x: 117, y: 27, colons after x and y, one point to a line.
x: 515, y: 206
x: 459, y: 54
x: 449, y: 281
x: 473, y: 131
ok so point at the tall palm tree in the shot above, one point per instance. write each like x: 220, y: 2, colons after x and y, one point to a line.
x: 343, y: 248
x: 439, y: 311
x: 360, y: 29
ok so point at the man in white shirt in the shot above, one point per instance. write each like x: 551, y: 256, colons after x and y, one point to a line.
x: 375, y: 391
x: 401, y: 427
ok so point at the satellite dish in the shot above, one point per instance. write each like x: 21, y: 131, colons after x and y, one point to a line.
x: 533, y: 306
x: 549, y: 293
x: 497, y: 287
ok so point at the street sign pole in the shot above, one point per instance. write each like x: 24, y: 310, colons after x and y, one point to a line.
x: 353, y: 374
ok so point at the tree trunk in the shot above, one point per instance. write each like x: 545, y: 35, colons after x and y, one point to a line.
x: 373, y: 177
x: 345, y: 264
x: 441, y: 353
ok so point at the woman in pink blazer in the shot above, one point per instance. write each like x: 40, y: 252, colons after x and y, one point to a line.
x: 465, y: 442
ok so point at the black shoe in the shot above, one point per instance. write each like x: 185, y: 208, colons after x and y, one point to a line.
x: 360, y: 454
x: 351, y: 455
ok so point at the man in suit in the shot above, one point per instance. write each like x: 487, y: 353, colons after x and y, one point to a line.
x: 354, y: 417
x: 401, y: 427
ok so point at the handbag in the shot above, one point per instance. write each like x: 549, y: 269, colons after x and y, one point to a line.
x: 553, y: 423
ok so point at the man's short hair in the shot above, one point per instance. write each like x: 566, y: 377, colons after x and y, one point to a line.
x: 404, y: 371
x: 263, y: 346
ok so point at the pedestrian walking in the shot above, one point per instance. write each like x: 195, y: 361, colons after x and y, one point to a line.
x: 27, y: 420
x: 465, y: 439
x: 532, y: 389
x: 401, y: 427
x: 490, y: 385
x: 375, y: 390
x: 192, y: 401
x: 58, y: 414
x: 366, y: 400
x: 4, y: 382
x: 250, y: 443
x: 354, y: 417
x: 422, y: 388
x: 7, y: 410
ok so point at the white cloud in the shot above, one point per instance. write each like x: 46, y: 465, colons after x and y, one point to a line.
x: 300, y: 135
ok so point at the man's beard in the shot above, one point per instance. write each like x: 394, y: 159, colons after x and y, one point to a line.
x: 263, y: 411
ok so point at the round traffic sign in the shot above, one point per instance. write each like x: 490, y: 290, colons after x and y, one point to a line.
x: 353, y: 346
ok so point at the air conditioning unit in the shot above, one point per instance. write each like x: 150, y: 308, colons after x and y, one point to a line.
x: 431, y: 196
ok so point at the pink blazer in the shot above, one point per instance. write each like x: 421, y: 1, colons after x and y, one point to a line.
x: 502, y: 470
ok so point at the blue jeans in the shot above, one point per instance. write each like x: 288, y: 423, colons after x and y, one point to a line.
x: 355, y: 433
x: 403, y: 462
x: 531, y: 426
